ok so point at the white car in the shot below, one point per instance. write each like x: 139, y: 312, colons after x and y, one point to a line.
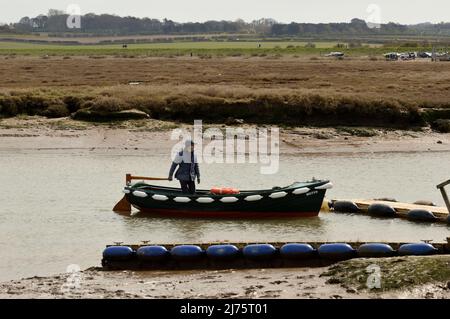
x: 336, y: 54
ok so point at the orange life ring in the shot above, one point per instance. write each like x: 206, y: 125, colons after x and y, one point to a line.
x: 224, y: 191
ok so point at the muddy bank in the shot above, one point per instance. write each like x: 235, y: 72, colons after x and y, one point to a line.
x: 302, y: 283
x: 154, y: 136
x: 214, y: 104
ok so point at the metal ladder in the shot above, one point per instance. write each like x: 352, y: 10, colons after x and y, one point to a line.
x: 441, y: 187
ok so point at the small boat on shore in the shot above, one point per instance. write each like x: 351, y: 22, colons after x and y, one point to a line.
x: 301, y: 199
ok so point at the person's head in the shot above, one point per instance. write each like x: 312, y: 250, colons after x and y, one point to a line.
x: 189, y: 145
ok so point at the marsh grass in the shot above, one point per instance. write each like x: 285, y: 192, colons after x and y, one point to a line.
x: 215, y: 104
x: 441, y: 125
x: 266, y: 90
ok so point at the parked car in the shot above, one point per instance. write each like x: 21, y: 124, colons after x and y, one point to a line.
x: 392, y: 56
x: 336, y: 54
x: 407, y: 56
x: 443, y: 56
x: 424, y: 55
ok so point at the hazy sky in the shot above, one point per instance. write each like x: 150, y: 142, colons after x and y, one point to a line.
x: 402, y: 11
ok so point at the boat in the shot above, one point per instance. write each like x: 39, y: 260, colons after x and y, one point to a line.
x: 300, y: 199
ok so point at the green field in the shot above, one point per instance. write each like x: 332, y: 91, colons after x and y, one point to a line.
x: 205, y: 48
x: 169, y: 45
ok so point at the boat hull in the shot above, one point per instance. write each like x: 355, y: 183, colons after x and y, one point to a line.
x: 297, y: 200
x: 223, y: 214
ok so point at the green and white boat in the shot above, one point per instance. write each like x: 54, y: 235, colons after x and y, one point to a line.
x: 301, y: 199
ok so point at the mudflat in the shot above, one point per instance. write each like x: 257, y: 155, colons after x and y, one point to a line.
x: 154, y: 136
x: 344, y: 280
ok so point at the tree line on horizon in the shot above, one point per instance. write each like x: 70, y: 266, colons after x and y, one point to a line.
x: 106, y: 24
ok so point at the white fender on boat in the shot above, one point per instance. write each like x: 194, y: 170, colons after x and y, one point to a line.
x: 182, y: 199
x: 253, y: 198
x: 160, y: 197
x: 277, y: 195
x: 126, y: 191
x: 140, y: 194
x: 325, y: 186
x: 229, y: 200
x: 205, y: 200
x: 300, y: 191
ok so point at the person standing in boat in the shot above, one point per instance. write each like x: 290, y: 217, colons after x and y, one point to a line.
x: 188, y: 169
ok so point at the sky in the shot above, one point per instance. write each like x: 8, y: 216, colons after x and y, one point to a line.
x: 400, y: 11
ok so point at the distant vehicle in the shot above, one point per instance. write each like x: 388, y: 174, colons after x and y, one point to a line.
x: 392, y: 56
x: 336, y: 54
x: 443, y: 56
x: 425, y: 55
x: 407, y: 56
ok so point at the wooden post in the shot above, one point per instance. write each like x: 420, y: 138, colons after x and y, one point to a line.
x: 444, y: 193
x: 127, y: 179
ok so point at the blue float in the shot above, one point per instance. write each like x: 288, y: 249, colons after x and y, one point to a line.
x: 152, y: 253
x: 381, y: 210
x: 374, y: 250
x: 418, y: 249
x: 297, y: 251
x: 222, y: 252
x: 338, y: 251
x: 343, y: 206
x: 421, y: 215
x: 118, y: 253
x: 259, y: 251
x: 187, y: 252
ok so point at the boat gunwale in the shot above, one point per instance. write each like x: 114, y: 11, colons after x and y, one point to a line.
x: 176, y: 192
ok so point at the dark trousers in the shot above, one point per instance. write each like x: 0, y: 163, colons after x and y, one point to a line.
x: 188, y: 187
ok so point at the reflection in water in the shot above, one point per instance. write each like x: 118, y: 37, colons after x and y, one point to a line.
x: 56, y: 206
x: 211, y: 230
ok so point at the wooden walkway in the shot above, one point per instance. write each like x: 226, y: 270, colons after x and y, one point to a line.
x: 403, y: 208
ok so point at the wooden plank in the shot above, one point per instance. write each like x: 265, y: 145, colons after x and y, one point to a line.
x: 403, y: 208
x: 129, y: 178
x: 143, y: 178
